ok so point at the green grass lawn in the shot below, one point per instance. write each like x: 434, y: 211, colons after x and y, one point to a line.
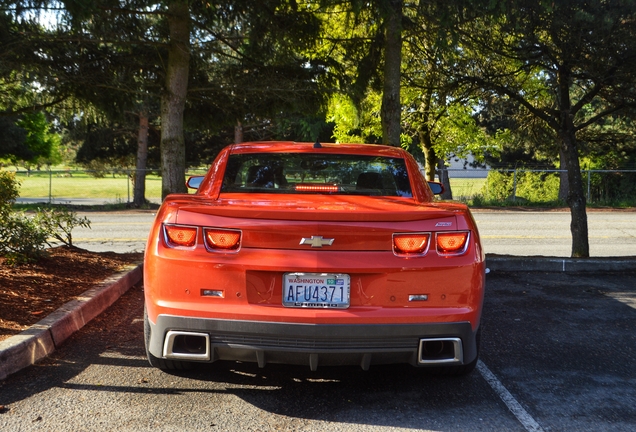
x: 78, y: 184
x: 465, y: 188
x: 117, y: 189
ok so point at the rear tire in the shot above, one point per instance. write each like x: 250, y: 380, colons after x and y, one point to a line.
x: 157, y: 362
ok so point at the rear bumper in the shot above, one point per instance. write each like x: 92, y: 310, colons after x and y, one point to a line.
x: 312, y: 344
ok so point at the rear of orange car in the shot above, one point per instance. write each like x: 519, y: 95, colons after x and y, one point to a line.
x: 339, y: 263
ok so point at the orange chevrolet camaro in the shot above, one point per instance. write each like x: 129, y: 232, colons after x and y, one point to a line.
x: 316, y: 254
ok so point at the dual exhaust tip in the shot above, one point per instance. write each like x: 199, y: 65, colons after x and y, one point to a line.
x: 435, y: 351
x: 180, y: 345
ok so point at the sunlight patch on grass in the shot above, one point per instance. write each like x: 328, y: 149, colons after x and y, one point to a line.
x: 465, y: 188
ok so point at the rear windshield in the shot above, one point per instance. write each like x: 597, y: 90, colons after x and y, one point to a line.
x: 316, y: 173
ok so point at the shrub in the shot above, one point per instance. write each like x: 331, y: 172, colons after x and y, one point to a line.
x: 611, y: 188
x: 96, y: 168
x: 23, y: 238
x: 498, y: 186
x: 538, y: 187
x: 59, y: 222
x: 528, y: 186
x: 8, y: 192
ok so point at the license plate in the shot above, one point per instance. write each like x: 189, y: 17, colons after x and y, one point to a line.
x: 316, y: 290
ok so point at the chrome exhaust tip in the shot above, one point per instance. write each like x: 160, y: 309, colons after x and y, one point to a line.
x: 435, y: 351
x: 180, y: 345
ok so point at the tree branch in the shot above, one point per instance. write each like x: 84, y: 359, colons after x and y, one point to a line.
x: 33, y: 107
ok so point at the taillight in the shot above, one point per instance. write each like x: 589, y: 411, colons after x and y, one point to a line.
x: 411, y: 243
x: 179, y: 235
x: 222, y: 239
x: 452, y: 243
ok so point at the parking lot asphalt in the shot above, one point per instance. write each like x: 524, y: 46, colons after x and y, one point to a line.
x: 564, y: 344
x: 41, y: 339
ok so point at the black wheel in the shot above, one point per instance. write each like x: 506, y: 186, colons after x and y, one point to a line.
x: 157, y: 362
x: 460, y: 369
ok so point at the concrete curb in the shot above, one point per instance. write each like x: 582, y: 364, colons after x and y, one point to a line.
x: 510, y: 263
x: 42, y: 338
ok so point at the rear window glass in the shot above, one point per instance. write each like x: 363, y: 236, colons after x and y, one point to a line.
x: 316, y: 173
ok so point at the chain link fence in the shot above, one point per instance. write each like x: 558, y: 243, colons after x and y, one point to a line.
x: 474, y: 186
x: 539, y: 185
x: 80, y: 186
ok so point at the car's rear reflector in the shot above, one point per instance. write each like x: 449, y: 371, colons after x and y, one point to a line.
x: 179, y: 235
x: 452, y: 242
x: 222, y: 239
x: 411, y: 243
x: 312, y: 187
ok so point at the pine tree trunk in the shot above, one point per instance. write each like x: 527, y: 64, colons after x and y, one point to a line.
x: 391, y: 108
x: 569, y: 153
x: 238, y: 133
x: 139, y: 193
x: 564, y: 185
x: 173, y: 100
x: 576, y: 197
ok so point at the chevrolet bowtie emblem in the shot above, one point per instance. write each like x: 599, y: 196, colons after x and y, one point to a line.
x: 316, y: 241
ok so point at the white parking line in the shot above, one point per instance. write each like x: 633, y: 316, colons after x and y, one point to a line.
x: 628, y: 298
x: 522, y: 415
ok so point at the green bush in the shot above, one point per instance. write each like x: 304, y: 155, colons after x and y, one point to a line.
x: 96, y: 168
x: 8, y: 192
x: 23, y: 237
x: 59, y: 222
x: 538, y: 187
x: 498, y: 187
x: 533, y: 187
x: 611, y: 188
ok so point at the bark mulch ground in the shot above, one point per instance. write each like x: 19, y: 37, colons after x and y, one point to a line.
x: 29, y: 292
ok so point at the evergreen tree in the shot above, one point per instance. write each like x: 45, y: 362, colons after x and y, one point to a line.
x: 569, y: 64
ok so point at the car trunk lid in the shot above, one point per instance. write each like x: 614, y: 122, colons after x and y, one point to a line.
x: 331, y: 223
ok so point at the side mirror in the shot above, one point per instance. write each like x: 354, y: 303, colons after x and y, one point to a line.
x: 436, y: 188
x: 194, y: 182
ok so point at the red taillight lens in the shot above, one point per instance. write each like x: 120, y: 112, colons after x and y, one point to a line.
x: 222, y: 239
x: 413, y: 243
x: 178, y: 235
x: 452, y: 242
